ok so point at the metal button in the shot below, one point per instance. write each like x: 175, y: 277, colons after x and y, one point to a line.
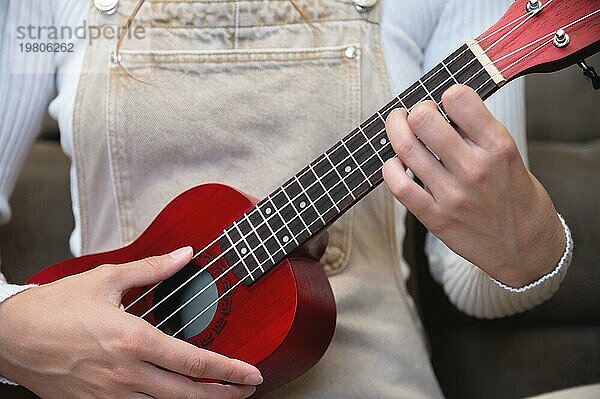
x: 364, y: 5
x: 106, y: 6
x: 115, y: 58
x: 351, y: 52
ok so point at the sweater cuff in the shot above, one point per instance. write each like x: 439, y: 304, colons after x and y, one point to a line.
x: 560, y: 269
x: 6, y: 291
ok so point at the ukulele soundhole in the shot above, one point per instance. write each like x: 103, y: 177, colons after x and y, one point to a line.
x: 195, y: 314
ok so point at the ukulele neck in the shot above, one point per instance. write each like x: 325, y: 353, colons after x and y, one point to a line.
x: 331, y: 184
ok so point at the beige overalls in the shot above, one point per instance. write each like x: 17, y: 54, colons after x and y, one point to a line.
x: 247, y: 93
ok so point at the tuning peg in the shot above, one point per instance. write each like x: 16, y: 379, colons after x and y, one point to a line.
x: 590, y: 74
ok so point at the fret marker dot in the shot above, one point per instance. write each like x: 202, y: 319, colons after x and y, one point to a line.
x: 243, y: 251
x: 268, y: 211
x: 303, y: 204
x: 383, y: 141
x: 347, y: 169
x: 286, y: 238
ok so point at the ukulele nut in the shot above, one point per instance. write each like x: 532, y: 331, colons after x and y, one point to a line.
x: 561, y: 39
x: 533, y: 6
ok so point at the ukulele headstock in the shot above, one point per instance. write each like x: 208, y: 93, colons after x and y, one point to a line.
x: 542, y: 36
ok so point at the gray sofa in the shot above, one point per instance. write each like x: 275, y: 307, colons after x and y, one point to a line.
x: 555, y: 346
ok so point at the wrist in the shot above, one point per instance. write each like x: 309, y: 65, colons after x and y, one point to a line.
x: 544, y: 255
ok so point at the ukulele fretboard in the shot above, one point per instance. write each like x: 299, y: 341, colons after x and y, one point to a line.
x: 336, y: 180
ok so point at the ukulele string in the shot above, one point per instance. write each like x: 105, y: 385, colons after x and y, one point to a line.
x: 221, y: 235
x: 483, y: 84
x: 531, y: 15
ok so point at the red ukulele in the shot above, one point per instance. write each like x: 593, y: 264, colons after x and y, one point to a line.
x: 242, y: 295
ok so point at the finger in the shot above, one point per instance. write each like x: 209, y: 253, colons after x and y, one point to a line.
x: 466, y: 109
x: 432, y: 129
x: 184, y: 358
x: 413, y: 153
x: 164, y: 384
x: 410, y: 194
x: 150, y: 270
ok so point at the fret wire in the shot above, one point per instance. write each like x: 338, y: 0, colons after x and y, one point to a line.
x: 326, y: 191
x: 241, y: 259
x: 338, y: 174
x: 449, y: 73
x: 402, y: 102
x: 356, y: 162
x: 250, y: 250
x: 283, y: 221
x: 266, y: 221
x: 434, y: 100
x: 444, y: 113
x: 312, y: 203
x: 372, y: 146
x: 259, y: 239
x: 297, y: 213
x: 383, y: 120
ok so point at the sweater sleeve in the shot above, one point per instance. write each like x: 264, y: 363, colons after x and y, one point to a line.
x: 477, y: 294
x: 26, y: 85
x: 467, y: 286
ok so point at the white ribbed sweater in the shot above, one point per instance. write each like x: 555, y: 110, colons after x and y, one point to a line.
x: 416, y: 35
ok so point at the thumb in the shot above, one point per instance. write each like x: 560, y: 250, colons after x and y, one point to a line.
x: 150, y: 270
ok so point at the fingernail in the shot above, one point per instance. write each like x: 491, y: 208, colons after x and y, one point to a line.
x: 253, y: 379
x: 251, y: 391
x: 180, y: 253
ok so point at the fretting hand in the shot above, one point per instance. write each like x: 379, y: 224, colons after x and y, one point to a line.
x: 479, y: 199
x: 71, y: 339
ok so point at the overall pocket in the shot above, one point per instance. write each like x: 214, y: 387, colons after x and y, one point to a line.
x: 246, y: 118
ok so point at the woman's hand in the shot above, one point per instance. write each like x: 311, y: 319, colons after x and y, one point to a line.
x: 71, y: 339
x: 480, y: 199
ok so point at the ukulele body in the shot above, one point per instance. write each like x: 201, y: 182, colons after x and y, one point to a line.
x: 282, y: 323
